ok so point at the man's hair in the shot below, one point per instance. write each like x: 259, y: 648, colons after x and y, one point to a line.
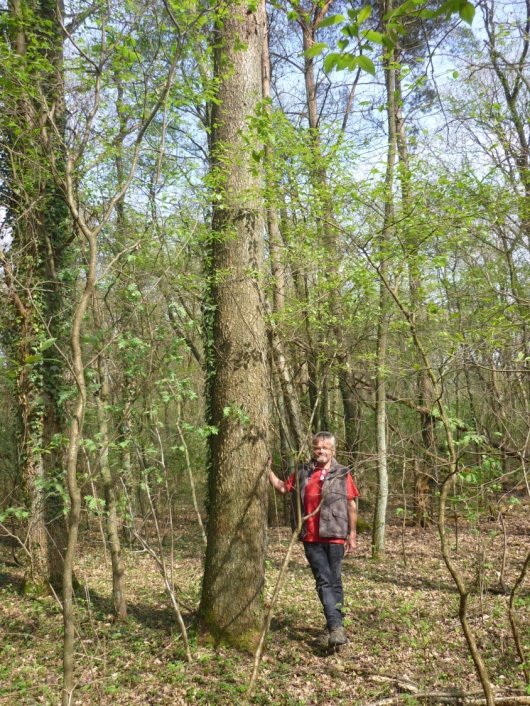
x: 327, y: 435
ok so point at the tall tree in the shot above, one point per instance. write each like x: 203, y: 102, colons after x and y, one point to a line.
x: 328, y: 347
x: 379, y: 526
x: 35, y: 269
x: 231, y: 607
x: 291, y: 402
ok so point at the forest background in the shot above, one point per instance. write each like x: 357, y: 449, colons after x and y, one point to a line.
x: 226, y: 227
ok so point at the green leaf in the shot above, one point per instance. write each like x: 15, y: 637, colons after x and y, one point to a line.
x: 373, y: 36
x: 315, y: 50
x: 18, y: 513
x: 364, y: 14
x: 47, y: 344
x: 366, y: 64
x: 35, y: 358
x: 330, y: 62
x: 341, y: 62
x: 346, y: 62
x: 426, y: 14
x: 332, y: 20
x: 351, y: 30
x: 390, y: 39
x: 451, y: 6
x: 467, y: 12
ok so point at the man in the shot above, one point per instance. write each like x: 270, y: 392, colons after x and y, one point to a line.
x: 327, y: 499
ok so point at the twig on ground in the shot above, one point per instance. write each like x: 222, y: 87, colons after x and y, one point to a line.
x: 458, y: 698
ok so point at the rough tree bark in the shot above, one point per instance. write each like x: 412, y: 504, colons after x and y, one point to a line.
x: 231, y: 608
x: 34, y: 271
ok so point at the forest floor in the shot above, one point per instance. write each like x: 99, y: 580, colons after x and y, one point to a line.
x: 406, y: 644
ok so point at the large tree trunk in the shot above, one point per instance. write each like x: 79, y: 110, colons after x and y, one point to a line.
x: 42, y: 230
x: 231, y: 607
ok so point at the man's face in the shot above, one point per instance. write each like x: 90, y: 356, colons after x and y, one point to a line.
x: 323, y: 452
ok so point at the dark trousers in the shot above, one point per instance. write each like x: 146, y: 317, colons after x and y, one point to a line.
x: 325, y: 561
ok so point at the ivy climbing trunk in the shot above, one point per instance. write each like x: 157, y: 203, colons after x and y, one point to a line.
x: 35, y: 271
x: 231, y: 609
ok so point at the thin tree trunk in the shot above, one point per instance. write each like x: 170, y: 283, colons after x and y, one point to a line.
x: 423, y: 477
x: 318, y: 380
x: 379, y: 527
x: 352, y: 409
x: 519, y: 644
x: 280, y: 358
x: 452, y: 464
x: 319, y: 374
x: 271, y: 186
x: 74, y: 494
x: 111, y: 512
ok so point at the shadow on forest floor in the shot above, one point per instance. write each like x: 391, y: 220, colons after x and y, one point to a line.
x: 11, y: 579
x: 154, y: 618
x: 308, y: 636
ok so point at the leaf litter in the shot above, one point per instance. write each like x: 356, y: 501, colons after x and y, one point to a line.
x: 401, y: 615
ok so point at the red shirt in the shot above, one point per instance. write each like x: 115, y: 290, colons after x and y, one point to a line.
x: 312, y: 497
